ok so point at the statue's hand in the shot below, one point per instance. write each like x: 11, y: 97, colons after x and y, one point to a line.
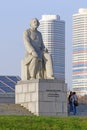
x: 34, y: 54
x: 45, y: 50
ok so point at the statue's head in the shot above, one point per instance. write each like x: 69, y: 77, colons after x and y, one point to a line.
x: 34, y: 22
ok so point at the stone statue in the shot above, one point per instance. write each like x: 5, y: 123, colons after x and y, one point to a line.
x: 37, y: 60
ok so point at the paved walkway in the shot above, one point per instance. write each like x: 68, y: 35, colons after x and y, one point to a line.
x: 81, y: 110
x: 14, y: 109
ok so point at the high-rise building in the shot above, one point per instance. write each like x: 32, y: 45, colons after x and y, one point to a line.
x: 79, y: 56
x: 53, y: 33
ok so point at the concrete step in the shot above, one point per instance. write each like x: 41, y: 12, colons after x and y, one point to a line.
x: 13, y: 109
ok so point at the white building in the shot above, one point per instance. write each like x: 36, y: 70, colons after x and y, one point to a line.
x: 53, y: 32
x: 79, y: 56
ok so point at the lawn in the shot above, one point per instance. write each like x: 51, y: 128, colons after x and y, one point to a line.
x: 42, y: 123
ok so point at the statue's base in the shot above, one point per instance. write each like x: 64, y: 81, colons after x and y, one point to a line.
x: 42, y: 97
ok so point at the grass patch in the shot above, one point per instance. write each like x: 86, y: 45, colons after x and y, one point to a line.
x: 42, y: 123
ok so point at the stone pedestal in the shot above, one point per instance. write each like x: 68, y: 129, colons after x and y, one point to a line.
x: 42, y: 97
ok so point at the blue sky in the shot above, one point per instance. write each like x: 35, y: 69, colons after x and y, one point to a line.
x: 14, y: 19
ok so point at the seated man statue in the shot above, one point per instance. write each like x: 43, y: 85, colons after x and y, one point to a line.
x: 37, y: 59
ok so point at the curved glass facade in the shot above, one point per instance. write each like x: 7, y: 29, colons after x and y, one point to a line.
x: 79, y: 56
x: 53, y: 32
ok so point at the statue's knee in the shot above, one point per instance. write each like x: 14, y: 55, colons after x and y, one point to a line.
x: 35, y: 58
x: 47, y: 56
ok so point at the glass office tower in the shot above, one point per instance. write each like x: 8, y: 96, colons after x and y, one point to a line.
x: 79, y: 56
x: 53, y: 32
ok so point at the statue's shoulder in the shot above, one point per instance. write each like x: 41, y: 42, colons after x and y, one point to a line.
x: 27, y: 31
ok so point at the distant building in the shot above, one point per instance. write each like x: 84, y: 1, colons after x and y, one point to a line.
x: 53, y: 32
x: 79, y: 57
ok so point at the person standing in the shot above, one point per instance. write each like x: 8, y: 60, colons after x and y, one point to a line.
x: 74, y: 99
x: 70, y: 102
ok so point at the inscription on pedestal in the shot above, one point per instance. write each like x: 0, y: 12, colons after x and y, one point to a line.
x: 53, y: 93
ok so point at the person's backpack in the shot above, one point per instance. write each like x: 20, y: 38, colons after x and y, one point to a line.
x: 76, y: 103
